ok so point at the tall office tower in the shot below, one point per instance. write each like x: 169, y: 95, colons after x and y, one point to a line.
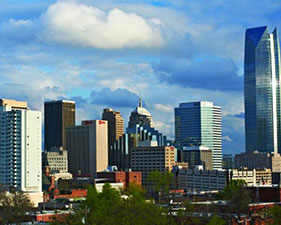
x: 115, y: 125
x: 20, y: 148
x: 199, y: 123
x: 87, y: 147
x: 59, y: 114
x: 262, y: 90
x: 140, y: 116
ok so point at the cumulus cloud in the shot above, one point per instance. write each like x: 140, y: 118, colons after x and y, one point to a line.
x: 17, y: 30
x: 211, y: 74
x: 80, y: 24
x: 117, y: 98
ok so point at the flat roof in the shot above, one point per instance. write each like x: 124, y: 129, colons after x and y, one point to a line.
x: 66, y: 101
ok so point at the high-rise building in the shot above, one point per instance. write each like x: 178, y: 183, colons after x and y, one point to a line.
x: 140, y: 129
x: 20, y: 148
x: 13, y: 104
x: 59, y: 114
x: 115, y: 125
x: 140, y: 116
x: 262, y: 90
x: 87, y: 147
x: 121, y: 150
x: 258, y: 160
x: 227, y: 162
x: 199, y: 123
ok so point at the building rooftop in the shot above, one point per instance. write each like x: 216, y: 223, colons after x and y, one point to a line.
x: 193, y: 104
x: 141, y: 110
x: 13, y: 103
x: 64, y: 101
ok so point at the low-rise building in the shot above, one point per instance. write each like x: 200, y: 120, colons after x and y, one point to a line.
x: 126, y: 178
x: 148, y: 159
x: 251, y: 177
x: 193, y: 180
x: 56, y: 159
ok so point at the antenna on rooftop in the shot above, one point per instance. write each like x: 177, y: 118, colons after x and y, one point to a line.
x: 140, y: 101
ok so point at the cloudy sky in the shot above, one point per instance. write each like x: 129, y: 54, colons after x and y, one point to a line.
x: 107, y: 53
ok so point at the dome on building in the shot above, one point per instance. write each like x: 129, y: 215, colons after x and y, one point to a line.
x: 141, y: 116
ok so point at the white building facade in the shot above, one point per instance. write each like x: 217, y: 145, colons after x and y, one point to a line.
x: 20, y: 149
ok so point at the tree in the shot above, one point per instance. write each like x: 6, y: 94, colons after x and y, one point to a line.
x: 13, y: 206
x: 162, y: 183
x: 237, y: 200
x: 275, y: 214
x: 217, y: 221
x: 110, y: 208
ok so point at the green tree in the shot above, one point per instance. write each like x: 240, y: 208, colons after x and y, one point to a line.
x: 275, y: 214
x: 237, y: 199
x: 110, y: 208
x: 217, y: 221
x: 162, y: 183
x: 13, y: 206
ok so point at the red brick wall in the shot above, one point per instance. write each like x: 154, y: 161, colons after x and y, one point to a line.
x: 133, y: 177
x: 75, y: 193
x: 50, y: 217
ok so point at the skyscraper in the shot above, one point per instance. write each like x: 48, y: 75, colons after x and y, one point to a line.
x: 58, y: 115
x: 199, y: 123
x: 87, y: 147
x: 140, y: 116
x: 262, y: 90
x: 20, y: 148
x: 115, y: 123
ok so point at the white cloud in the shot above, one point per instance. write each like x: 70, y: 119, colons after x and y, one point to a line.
x: 79, y: 24
x: 163, y: 107
x: 17, y: 23
x: 226, y: 138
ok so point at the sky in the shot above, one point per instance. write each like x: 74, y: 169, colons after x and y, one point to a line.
x: 109, y: 53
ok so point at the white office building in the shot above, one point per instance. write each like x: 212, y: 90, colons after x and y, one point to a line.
x: 20, y: 148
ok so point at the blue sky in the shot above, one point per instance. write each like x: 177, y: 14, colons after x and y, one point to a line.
x: 107, y: 53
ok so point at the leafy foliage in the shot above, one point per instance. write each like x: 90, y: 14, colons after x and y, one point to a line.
x: 275, y: 214
x: 217, y: 221
x: 162, y: 183
x: 238, y: 199
x: 110, y: 208
x: 13, y: 206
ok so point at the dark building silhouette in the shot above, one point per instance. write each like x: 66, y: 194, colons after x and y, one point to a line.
x: 58, y: 115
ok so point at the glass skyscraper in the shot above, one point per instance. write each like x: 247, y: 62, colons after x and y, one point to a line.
x: 262, y: 90
x: 199, y: 123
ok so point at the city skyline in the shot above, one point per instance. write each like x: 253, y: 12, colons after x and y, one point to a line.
x: 193, y: 51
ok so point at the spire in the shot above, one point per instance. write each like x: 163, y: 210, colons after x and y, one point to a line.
x: 140, y: 103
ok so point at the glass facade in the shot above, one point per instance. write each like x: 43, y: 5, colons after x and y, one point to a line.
x: 261, y: 90
x: 120, y: 152
x: 199, y: 123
